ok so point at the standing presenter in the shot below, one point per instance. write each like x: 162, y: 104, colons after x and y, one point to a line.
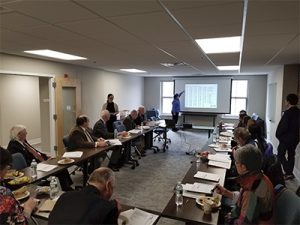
x: 176, y: 109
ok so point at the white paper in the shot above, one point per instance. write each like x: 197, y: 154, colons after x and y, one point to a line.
x: 45, y: 167
x: 207, y: 176
x: 138, y: 217
x: 229, y: 124
x: 134, y: 131
x: 114, y: 142
x: 225, y: 165
x: 75, y: 154
x: 223, y: 149
x: 226, y: 134
x: 219, y: 157
x: 191, y: 194
x: 199, y: 187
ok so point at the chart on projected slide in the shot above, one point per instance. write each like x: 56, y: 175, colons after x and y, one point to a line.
x: 201, y: 95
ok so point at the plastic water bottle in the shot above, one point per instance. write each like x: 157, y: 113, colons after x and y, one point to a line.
x: 179, y: 191
x: 53, y: 188
x: 142, y: 126
x: 33, y: 167
x: 115, y: 134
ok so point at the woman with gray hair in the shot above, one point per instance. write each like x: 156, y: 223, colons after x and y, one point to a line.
x: 254, y: 202
x: 19, y: 144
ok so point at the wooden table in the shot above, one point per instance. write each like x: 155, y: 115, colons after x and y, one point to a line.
x: 190, y: 212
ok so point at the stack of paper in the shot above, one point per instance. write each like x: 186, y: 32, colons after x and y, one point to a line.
x: 219, y: 160
x: 114, y: 142
x: 137, y: 217
x: 75, y: 154
x: 226, y: 134
x: 207, y: 176
x: 218, y: 149
x: 198, y: 187
x: 134, y: 131
x: 45, y: 167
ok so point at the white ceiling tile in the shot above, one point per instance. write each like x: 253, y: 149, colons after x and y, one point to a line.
x: 52, y: 11
x: 15, y: 20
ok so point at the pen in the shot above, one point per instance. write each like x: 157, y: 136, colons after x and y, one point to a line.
x: 215, y: 187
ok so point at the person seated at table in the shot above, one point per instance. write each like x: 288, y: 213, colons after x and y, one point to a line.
x: 256, y: 135
x: 100, y: 131
x: 242, y: 137
x: 100, y: 128
x: 82, y: 137
x: 129, y: 120
x: 91, y: 205
x: 11, y: 212
x: 19, y: 144
x: 129, y: 125
x: 253, y: 204
x: 142, y: 117
x: 242, y: 114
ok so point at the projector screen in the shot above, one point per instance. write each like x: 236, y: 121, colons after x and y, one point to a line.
x: 205, y: 94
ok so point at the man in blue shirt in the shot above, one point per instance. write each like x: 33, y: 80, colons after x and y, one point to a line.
x: 176, y: 109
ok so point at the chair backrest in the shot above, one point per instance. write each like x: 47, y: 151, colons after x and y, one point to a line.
x: 153, y: 114
x: 66, y: 141
x: 269, y: 150
x: 119, y: 126
x: 287, y: 208
x: 18, y: 161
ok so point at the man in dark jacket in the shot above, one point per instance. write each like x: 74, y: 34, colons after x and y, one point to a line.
x: 91, y: 205
x: 288, y: 135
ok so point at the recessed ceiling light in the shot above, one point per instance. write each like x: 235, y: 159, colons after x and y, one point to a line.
x: 173, y: 64
x: 228, y: 67
x: 55, y: 54
x: 220, y: 45
x: 133, y: 70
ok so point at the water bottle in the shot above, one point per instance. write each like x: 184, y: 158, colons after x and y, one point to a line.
x: 142, y: 125
x: 179, y: 191
x: 217, y: 134
x: 53, y: 188
x: 214, y: 136
x: 33, y: 167
x: 115, y: 134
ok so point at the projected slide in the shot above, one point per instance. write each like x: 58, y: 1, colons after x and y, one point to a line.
x: 201, y: 95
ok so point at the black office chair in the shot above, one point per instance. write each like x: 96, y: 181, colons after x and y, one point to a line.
x: 161, y: 133
x: 129, y: 159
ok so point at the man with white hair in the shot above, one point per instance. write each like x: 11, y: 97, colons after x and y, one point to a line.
x: 91, y: 205
x: 141, y: 118
x: 100, y: 131
x: 19, y: 144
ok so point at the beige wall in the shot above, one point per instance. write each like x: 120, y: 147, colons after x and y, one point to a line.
x: 95, y: 83
x: 19, y: 104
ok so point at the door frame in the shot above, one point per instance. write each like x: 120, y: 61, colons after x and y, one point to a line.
x: 60, y: 83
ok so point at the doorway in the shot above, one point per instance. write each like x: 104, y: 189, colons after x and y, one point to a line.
x: 68, y: 107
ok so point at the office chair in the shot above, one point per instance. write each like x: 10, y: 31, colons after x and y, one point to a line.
x: 127, y: 153
x: 161, y: 133
x: 18, y: 161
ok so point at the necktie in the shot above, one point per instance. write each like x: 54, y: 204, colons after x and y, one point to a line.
x: 36, y: 154
x: 88, y: 136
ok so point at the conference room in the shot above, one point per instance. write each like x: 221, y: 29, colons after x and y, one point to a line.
x: 144, y: 52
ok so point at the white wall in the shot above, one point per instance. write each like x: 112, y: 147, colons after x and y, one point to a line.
x: 275, y: 77
x: 127, y: 90
x: 19, y: 104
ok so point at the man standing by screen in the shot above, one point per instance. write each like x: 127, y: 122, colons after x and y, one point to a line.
x: 176, y: 109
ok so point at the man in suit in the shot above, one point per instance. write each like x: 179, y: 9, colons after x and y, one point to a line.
x: 288, y: 135
x: 81, y: 137
x: 100, y: 131
x: 19, y: 144
x: 91, y: 205
x: 129, y: 120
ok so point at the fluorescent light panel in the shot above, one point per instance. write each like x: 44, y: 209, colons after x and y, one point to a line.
x: 133, y: 70
x: 220, y: 45
x: 55, y: 54
x: 228, y: 67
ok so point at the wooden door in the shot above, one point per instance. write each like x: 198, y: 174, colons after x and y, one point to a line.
x: 64, y: 109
